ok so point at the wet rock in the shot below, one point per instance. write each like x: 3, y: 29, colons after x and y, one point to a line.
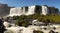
x: 2, y: 27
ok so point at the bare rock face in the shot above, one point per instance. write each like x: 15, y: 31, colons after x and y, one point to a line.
x: 4, y: 9
x: 2, y: 28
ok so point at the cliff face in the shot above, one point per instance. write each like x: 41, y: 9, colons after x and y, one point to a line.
x: 36, y: 9
x: 4, y: 9
x: 27, y: 10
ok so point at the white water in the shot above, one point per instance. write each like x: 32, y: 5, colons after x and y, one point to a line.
x: 15, y: 12
x: 19, y: 29
x: 20, y: 11
x: 31, y: 10
x: 15, y: 29
x: 29, y: 29
x: 6, y: 24
x: 44, y: 10
x: 22, y: 29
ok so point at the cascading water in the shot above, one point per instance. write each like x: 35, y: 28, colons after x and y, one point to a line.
x: 19, y: 29
x: 20, y: 11
x: 22, y: 29
x: 15, y: 11
x: 44, y: 10
x: 12, y: 11
x: 6, y: 24
x: 23, y: 11
x: 31, y: 10
x: 30, y: 28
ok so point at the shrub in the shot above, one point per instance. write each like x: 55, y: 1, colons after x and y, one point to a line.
x: 37, y: 31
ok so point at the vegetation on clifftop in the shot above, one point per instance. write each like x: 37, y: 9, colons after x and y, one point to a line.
x: 55, y: 18
x: 23, y: 20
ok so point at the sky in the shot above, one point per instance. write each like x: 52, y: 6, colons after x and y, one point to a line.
x: 21, y: 3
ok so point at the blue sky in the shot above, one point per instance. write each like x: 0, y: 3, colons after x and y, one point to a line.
x: 20, y: 3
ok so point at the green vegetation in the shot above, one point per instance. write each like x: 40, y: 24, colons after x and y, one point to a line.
x: 37, y: 31
x: 23, y: 20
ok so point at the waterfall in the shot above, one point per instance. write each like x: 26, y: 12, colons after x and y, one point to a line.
x: 44, y: 10
x: 31, y: 10
x: 22, y: 11
x: 12, y: 11
x: 15, y: 11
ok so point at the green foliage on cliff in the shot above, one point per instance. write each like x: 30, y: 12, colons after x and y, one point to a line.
x: 23, y: 20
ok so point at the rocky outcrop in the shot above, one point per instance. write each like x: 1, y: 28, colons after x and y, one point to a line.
x: 2, y: 28
x: 4, y: 10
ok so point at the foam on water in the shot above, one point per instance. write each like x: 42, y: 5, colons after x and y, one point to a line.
x: 22, y: 29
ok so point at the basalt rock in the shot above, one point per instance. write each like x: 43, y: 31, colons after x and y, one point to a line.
x: 2, y: 28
